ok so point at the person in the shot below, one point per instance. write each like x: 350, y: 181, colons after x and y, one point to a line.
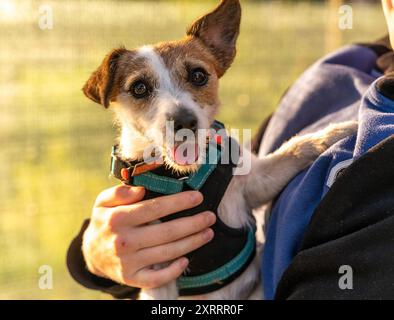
x: 329, y: 233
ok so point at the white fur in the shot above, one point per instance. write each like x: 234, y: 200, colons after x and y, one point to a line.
x: 168, y: 98
x: 161, y: 71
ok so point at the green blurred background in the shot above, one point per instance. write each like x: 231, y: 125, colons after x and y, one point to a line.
x: 55, y: 143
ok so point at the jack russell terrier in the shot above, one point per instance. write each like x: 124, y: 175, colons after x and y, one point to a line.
x: 177, y: 82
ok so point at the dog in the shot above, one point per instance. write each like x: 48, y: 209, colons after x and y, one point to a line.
x: 178, y: 81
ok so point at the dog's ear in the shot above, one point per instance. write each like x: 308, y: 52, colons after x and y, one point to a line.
x: 100, y: 84
x: 219, y: 30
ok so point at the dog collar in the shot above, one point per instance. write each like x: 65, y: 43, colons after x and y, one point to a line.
x: 231, y: 251
x: 142, y: 174
x: 139, y: 173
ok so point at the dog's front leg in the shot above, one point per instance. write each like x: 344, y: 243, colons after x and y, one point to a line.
x: 270, y: 174
x: 167, y: 292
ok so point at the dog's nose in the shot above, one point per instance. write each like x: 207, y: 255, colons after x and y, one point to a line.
x: 184, y: 119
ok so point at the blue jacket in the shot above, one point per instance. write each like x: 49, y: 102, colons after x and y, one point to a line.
x: 340, y: 87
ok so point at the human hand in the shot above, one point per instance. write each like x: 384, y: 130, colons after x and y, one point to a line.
x: 388, y: 8
x: 120, y: 244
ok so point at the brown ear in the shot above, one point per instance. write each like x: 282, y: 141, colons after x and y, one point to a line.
x: 219, y: 30
x: 100, y: 84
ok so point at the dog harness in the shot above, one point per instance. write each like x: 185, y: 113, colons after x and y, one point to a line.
x: 230, y: 252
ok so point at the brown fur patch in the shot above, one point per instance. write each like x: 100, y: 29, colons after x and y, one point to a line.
x: 137, y: 68
x: 119, y: 69
x: 189, y: 53
x: 102, y: 82
x: 219, y: 30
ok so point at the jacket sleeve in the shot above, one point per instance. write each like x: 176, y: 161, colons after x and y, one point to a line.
x: 352, y: 227
x: 78, y: 270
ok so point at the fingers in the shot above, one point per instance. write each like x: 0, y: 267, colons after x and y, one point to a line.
x: 388, y: 5
x: 150, y: 210
x: 149, y: 278
x: 159, y: 234
x: 173, y: 250
x: 388, y: 8
x: 120, y: 195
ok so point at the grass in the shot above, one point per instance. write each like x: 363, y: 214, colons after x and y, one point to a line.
x: 55, y: 143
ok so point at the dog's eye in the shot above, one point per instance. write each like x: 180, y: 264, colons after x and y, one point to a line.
x: 198, y: 77
x: 139, y: 89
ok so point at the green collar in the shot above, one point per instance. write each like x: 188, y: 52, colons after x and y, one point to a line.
x: 126, y: 171
x: 168, y: 185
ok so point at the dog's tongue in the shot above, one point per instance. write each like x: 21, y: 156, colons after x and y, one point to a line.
x: 185, y: 154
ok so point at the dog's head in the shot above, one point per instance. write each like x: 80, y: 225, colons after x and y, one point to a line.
x: 170, y: 82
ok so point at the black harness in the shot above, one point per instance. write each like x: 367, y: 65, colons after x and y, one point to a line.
x: 231, y: 250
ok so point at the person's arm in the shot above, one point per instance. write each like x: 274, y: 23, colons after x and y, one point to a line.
x: 77, y: 268
x: 388, y: 8
x: 115, y: 250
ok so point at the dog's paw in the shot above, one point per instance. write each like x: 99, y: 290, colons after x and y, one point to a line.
x: 166, y: 292
x: 327, y: 137
x: 308, y: 147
